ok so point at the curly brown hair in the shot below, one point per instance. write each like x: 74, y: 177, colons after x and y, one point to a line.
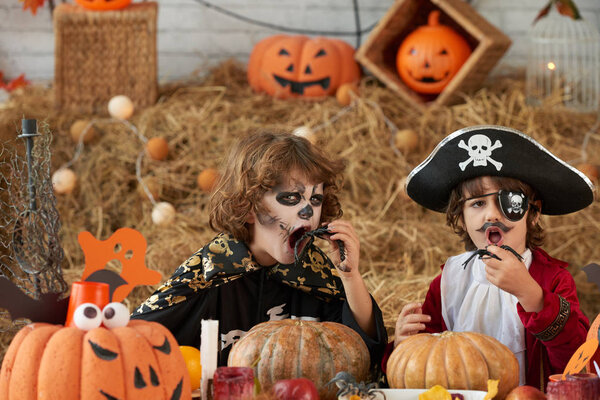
x: 258, y: 163
x: 474, y: 187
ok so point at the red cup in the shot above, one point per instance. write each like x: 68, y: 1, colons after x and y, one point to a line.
x: 86, y: 292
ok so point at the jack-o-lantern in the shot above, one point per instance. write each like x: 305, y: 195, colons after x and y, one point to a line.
x: 102, y: 5
x: 287, y: 66
x: 129, y: 360
x: 430, y: 56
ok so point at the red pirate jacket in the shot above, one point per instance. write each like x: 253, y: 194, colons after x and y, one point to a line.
x: 551, y: 335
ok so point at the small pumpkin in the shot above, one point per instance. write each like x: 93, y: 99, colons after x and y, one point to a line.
x: 287, y: 66
x: 292, y: 348
x: 103, y: 5
x: 454, y: 360
x: 430, y: 56
x: 137, y: 361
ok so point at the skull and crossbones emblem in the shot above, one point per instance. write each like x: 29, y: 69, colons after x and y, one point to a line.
x: 516, y: 203
x: 480, y: 152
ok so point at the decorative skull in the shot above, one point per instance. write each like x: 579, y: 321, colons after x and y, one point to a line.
x: 516, y: 201
x: 480, y: 149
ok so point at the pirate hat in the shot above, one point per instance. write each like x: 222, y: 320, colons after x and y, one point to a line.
x: 500, y: 151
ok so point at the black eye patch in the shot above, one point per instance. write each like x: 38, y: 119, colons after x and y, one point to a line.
x: 513, y: 204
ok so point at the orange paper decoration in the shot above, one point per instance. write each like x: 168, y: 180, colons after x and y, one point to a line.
x: 126, y: 245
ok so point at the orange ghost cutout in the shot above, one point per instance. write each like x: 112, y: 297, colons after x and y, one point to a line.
x: 126, y: 245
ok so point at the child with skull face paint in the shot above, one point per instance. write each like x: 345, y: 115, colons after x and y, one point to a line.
x: 276, y: 189
x: 493, y: 183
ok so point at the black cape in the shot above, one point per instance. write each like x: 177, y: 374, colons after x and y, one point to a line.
x: 222, y: 281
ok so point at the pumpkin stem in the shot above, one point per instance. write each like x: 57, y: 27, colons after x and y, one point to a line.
x: 434, y: 18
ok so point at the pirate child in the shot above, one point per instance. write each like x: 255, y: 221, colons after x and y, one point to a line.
x: 275, y: 191
x: 493, y: 183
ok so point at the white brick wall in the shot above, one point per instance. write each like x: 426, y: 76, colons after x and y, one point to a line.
x: 192, y: 37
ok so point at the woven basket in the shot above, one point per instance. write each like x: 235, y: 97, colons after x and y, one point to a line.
x: 101, y: 54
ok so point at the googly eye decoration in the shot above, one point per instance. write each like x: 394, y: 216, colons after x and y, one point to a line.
x: 115, y: 315
x: 87, y: 316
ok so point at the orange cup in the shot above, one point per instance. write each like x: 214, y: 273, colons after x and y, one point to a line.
x: 86, y: 292
x: 555, y: 378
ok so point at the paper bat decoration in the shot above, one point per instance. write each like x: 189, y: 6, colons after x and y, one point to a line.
x: 593, y: 273
x: 126, y: 245
x: 48, y: 308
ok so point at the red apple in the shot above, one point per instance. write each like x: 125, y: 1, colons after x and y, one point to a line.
x: 525, y: 393
x: 295, y: 389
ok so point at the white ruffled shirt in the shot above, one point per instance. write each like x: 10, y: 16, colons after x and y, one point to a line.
x: 471, y: 303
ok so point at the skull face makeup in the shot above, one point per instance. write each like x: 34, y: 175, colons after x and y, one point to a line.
x: 294, y: 208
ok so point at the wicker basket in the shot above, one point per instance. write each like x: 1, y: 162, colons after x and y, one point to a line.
x: 100, y: 54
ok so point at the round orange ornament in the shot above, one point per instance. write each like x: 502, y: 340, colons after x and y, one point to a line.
x: 406, y: 140
x: 590, y: 170
x: 103, y: 5
x: 287, y: 66
x: 82, y: 127
x: 346, y: 93
x: 430, y: 56
x: 207, y: 179
x: 157, y: 148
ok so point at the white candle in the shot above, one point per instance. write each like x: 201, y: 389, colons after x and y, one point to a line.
x: 209, y: 351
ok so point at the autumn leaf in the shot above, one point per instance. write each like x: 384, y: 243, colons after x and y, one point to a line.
x: 32, y: 4
x: 564, y: 7
x: 16, y: 83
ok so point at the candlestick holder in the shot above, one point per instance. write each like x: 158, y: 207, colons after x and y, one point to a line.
x: 30, y: 253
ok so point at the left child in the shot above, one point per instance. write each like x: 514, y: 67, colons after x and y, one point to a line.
x: 275, y: 187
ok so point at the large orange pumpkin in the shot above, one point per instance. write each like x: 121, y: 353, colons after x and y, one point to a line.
x: 50, y: 362
x: 430, y: 56
x: 297, y: 66
x: 293, y: 348
x: 103, y: 5
x: 454, y: 360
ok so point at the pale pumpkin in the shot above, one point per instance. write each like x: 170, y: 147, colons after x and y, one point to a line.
x: 293, y: 348
x: 454, y: 360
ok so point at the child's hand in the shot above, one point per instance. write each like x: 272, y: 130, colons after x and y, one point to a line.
x: 410, y: 322
x: 344, y: 231
x: 511, y: 275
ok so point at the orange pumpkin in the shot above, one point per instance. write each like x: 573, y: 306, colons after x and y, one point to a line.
x: 430, y: 56
x: 102, y: 5
x: 137, y: 361
x: 293, y: 348
x: 454, y: 360
x: 287, y: 66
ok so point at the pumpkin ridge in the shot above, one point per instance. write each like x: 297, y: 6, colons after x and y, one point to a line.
x: 481, y: 353
x: 464, y: 364
x: 327, y: 337
x: 427, y: 361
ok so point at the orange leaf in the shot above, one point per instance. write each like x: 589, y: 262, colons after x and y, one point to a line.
x: 32, y: 4
x: 16, y: 83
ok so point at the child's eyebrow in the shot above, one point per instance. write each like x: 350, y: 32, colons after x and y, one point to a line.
x: 480, y: 196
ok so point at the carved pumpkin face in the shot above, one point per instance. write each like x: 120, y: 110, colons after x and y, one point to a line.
x: 430, y: 56
x: 296, y: 66
x: 141, y: 360
x: 100, y: 5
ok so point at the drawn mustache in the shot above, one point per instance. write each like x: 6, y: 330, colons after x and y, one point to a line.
x: 500, y: 225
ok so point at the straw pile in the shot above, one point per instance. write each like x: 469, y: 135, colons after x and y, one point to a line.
x: 402, y: 244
